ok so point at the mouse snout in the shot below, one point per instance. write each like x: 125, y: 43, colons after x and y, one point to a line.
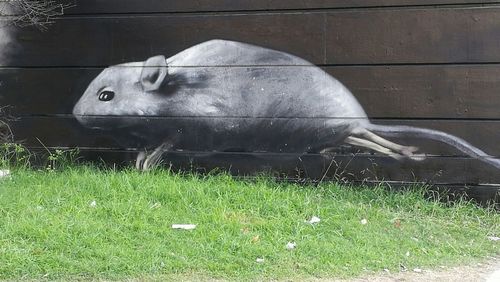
x: 77, y: 110
x: 79, y: 113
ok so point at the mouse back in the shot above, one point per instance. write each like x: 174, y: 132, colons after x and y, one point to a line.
x: 219, y: 52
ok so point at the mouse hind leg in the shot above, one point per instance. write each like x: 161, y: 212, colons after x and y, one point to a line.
x: 373, y: 146
x: 146, y: 161
x: 407, y: 151
x: 139, y: 161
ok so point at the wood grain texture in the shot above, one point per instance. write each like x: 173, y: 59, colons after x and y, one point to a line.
x: 379, y: 36
x: 67, y: 132
x: 442, y: 91
x: 355, y: 168
x: 312, y: 169
x: 413, y: 36
x: 162, y: 6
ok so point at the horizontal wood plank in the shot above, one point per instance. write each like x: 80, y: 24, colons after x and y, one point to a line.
x: 379, y: 36
x: 359, y: 168
x: 67, y: 132
x: 156, y: 6
x: 449, y: 92
x: 338, y: 168
x: 413, y: 36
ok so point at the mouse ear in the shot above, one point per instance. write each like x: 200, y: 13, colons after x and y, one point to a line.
x: 153, y: 73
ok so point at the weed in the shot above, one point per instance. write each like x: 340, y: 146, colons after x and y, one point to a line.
x: 14, y: 155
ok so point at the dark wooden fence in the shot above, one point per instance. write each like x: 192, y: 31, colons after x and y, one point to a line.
x: 428, y: 63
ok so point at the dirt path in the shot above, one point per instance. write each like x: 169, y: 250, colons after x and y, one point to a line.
x: 488, y: 271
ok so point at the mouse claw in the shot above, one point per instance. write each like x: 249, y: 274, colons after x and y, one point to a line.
x: 409, y: 151
x: 153, y: 160
x: 412, y: 149
x: 418, y: 157
x: 139, y: 162
x: 397, y: 156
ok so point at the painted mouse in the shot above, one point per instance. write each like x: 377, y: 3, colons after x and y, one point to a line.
x: 225, y: 95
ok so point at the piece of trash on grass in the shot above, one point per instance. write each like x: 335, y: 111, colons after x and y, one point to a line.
x: 417, y: 270
x: 255, y: 239
x: 259, y: 260
x: 313, y: 220
x: 4, y: 173
x: 407, y: 254
x: 93, y: 204
x: 291, y: 245
x: 493, y: 238
x: 364, y: 221
x: 386, y: 270
x: 155, y: 206
x: 184, y: 226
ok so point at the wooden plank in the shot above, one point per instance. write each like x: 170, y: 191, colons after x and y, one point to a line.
x: 425, y: 91
x: 104, y: 41
x: 159, y: 6
x: 444, y: 35
x: 27, y: 91
x: 319, y: 169
x: 441, y: 91
x: 359, y: 168
x: 67, y: 132
x: 413, y: 36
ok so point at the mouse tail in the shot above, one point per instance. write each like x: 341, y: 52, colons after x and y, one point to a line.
x: 424, y: 133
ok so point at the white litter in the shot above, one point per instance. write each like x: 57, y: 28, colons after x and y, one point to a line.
x: 493, y: 238
x: 184, y: 226
x: 291, y: 245
x: 155, y: 206
x: 260, y: 260
x: 407, y: 254
x: 364, y: 221
x: 417, y: 270
x: 314, y: 220
x: 4, y: 173
x: 93, y: 204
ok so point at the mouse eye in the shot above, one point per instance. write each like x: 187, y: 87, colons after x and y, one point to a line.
x: 106, y: 96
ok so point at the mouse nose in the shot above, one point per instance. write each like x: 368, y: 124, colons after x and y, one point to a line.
x: 78, y: 112
x: 77, y: 109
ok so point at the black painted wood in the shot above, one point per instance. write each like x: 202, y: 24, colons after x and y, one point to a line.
x: 315, y: 169
x: 162, y: 6
x: 353, y: 168
x: 441, y: 91
x: 382, y: 36
x: 67, y: 132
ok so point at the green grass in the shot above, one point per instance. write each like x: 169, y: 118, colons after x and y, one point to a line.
x: 48, y: 229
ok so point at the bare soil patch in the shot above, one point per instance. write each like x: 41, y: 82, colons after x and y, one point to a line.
x: 485, y: 271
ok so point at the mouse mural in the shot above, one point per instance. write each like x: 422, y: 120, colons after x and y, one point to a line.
x: 252, y: 106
